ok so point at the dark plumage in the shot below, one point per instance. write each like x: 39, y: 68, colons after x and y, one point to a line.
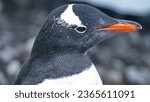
x: 60, y: 48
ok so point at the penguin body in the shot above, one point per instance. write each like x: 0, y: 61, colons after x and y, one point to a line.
x: 60, y: 68
x: 59, y: 54
x: 89, y: 76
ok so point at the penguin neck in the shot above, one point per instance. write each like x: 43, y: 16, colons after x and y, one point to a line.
x: 61, y: 63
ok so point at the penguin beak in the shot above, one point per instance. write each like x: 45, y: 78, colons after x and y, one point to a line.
x: 122, y: 26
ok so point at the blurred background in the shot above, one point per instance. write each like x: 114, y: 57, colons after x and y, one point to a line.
x: 123, y: 59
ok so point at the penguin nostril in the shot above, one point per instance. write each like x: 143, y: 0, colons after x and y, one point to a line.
x: 81, y: 29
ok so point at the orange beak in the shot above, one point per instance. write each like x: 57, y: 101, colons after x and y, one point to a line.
x: 123, y: 26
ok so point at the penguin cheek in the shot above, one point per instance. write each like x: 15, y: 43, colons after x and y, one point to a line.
x: 99, y: 36
x: 106, y: 35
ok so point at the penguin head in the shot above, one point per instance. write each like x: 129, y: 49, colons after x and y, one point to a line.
x: 77, y: 27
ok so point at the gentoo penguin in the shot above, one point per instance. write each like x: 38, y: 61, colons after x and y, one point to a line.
x: 59, y: 54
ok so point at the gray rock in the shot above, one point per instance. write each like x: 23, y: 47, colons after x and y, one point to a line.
x: 135, y: 38
x: 103, y: 54
x: 118, y: 64
x: 113, y: 77
x: 22, y: 3
x: 130, y: 7
x: 4, y: 23
x: 7, y: 54
x: 1, y: 5
x: 6, y: 38
x: 120, y: 45
x: 13, y: 68
x: 146, y: 42
x: 3, y: 79
x: 135, y: 75
x: 146, y: 59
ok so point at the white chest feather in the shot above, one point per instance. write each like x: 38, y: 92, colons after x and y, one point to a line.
x: 87, y: 77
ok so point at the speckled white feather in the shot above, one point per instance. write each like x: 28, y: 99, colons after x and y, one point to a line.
x: 87, y: 77
x: 69, y: 16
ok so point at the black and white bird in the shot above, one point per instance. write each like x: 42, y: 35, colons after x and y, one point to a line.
x: 59, y: 54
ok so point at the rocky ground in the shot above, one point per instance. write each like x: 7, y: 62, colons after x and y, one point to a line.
x: 123, y: 59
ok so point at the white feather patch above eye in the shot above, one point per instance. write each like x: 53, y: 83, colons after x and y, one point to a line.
x: 69, y: 16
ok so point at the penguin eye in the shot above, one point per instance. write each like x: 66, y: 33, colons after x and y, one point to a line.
x: 81, y: 29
